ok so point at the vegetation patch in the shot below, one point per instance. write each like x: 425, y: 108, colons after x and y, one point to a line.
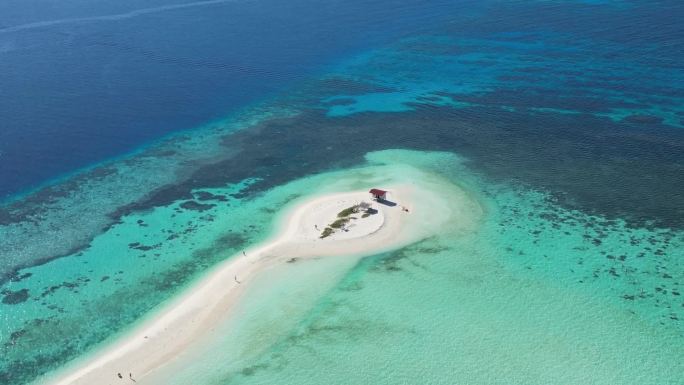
x: 343, y: 217
x: 338, y: 224
x: 348, y: 211
x: 327, y: 232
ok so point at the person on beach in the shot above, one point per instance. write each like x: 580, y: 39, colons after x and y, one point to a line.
x: 243, y: 253
x: 236, y: 280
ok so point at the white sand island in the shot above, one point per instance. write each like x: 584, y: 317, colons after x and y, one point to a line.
x: 318, y: 226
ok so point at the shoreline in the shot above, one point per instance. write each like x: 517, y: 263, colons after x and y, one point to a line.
x: 170, y: 331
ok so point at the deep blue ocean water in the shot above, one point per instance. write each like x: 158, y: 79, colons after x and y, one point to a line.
x: 82, y: 82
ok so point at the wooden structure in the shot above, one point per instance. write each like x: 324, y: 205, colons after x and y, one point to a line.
x: 378, y: 194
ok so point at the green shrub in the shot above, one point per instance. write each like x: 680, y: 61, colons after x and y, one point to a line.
x: 348, y: 211
x: 326, y: 232
x: 339, y: 223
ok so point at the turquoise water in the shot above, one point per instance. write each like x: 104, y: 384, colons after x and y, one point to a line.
x: 500, y: 304
x: 562, y: 120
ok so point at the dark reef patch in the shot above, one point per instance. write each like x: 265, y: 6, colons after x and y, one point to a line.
x: 141, y: 247
x: 14, y: 297
x: 71, y: 286
x: 207, y: 196
x: 253, y: 369
x: 230, y: 241
x: 196, y: 206
x: 392, y: 261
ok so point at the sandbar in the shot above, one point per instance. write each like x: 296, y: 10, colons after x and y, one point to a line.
x: 197, y: 310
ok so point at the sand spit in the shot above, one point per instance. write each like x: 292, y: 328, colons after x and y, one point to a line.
x: 412, y: 214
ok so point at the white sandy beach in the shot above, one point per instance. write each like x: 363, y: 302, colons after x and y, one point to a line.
x: 198, y: 310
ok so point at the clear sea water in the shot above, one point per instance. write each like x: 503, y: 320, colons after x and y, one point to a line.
x: 143, y: 143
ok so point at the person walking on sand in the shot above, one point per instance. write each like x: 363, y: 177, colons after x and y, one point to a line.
x: 243, y: 253
x: 236, y: 280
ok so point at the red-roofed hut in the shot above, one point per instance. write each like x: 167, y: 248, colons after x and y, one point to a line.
x: 378, y: 194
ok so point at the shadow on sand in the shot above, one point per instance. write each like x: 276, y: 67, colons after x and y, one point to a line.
x: 386, y: 202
